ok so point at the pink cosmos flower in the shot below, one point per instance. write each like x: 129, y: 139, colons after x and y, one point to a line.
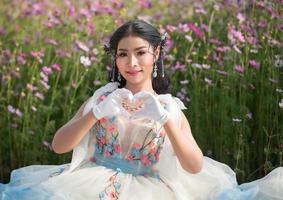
x: 199, y: 33
x: 239, y: 68
x: 56, y: 67
x: 170, y: 28
x: 11, y: 109
x: 31, y: 87
x: 145, y: 3
x: 47, y: 70
x: 39, y: 95
x: 254, y: 64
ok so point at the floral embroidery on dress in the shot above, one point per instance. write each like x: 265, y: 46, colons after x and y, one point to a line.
x: 112, y: 191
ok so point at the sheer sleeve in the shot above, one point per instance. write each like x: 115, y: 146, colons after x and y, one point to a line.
x: 80, y: 151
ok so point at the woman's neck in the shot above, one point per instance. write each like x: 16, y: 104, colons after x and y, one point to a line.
x: 137, y: 88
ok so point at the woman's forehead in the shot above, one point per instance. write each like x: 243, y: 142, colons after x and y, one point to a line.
x: 132, y: 43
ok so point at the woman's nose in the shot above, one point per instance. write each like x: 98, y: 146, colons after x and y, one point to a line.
x: 133, y: 61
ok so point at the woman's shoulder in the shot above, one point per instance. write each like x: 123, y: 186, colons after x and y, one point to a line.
x: 169, y: 98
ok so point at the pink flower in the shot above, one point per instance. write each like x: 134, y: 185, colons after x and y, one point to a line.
x: 113, y: 195
x: 102, y: 97
x: 11, y: 109
x: 107, y: 154
x: 47, y: 70
x: 254, y: 64
x: 199, y: 33
x: 111, y: 128
x: 145, y: 161
x: 153, y: 151
x: 162, y: 133
x: 31, y: 87
x: 136, y: 145
x: 157, y: 156
x: 145, y: 3
x: 239, y: 68
x: 92, y: 159
x: 102, y: 141
x: 103, y: 120
x: 130, y: 157
x: 171, y: 28
x: 56, y: 67
x: 39, y: 95
x: 117, y: 148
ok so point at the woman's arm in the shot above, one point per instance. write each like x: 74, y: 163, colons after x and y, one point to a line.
x: 184, y: 145
x: 69, y: 135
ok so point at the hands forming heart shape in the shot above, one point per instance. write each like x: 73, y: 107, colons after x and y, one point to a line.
x: 142, y: 104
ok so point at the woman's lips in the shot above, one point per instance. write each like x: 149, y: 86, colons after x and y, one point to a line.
x: 133, y: 73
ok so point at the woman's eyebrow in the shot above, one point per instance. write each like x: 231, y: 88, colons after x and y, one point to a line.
x: 134, y: 49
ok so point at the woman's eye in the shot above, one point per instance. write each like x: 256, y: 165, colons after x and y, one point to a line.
x: 141, y: 52
x: 121, y: 55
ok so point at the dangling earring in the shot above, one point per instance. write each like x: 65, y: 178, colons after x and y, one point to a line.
x: 119, y: 76
x: 155, y: 70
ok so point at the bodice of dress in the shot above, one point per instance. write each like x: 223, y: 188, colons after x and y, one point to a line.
x: 137, y: 146
x: 130, y: 145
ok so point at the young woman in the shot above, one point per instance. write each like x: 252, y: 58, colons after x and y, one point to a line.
x: 131, y: 140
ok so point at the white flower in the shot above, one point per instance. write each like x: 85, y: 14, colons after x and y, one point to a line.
x: 281, y: 103
x: 208, y: 81
x: 85, y: 61
x: 237, y: 120
x: 205, y: 66
x: 196, y: 65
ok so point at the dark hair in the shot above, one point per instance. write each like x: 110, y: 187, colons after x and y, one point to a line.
x: 149, y: 33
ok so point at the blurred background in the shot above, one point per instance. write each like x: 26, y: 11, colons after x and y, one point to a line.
x: 224, y: 59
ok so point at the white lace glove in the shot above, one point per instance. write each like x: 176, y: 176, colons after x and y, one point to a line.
x: 109, y: 107
x: 152, y: 108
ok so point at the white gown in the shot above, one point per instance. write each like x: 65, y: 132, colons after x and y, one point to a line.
x: 133, y: 160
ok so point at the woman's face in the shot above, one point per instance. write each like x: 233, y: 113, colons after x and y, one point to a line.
x: 135, y: 59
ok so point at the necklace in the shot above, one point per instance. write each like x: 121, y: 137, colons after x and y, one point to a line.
x: 132, y: 106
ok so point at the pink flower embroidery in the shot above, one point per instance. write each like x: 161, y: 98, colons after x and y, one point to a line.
x: 145, y: 161
x: 103, y: 120
x: 157, y: 157
x: 107, y: 154
x: 137, y: 145
x: 113, y: 195
x: 117, y: 148
x: 162, y: 133
x: 102, y: 97
x: 130, y: 157
x: 111, y: 128
x: 92, y: 159
x: 153, y: 151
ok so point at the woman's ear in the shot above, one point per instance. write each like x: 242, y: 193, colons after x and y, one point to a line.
x: 156, y: 53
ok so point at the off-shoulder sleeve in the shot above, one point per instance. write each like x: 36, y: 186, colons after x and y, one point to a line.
x: 180, y: 103
x: 80, y: 151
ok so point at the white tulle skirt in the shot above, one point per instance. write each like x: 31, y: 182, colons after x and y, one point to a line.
x: 216, y: 181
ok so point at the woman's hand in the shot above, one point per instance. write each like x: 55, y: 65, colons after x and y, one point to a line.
x: 152, y: 108
x: 109, y: 107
